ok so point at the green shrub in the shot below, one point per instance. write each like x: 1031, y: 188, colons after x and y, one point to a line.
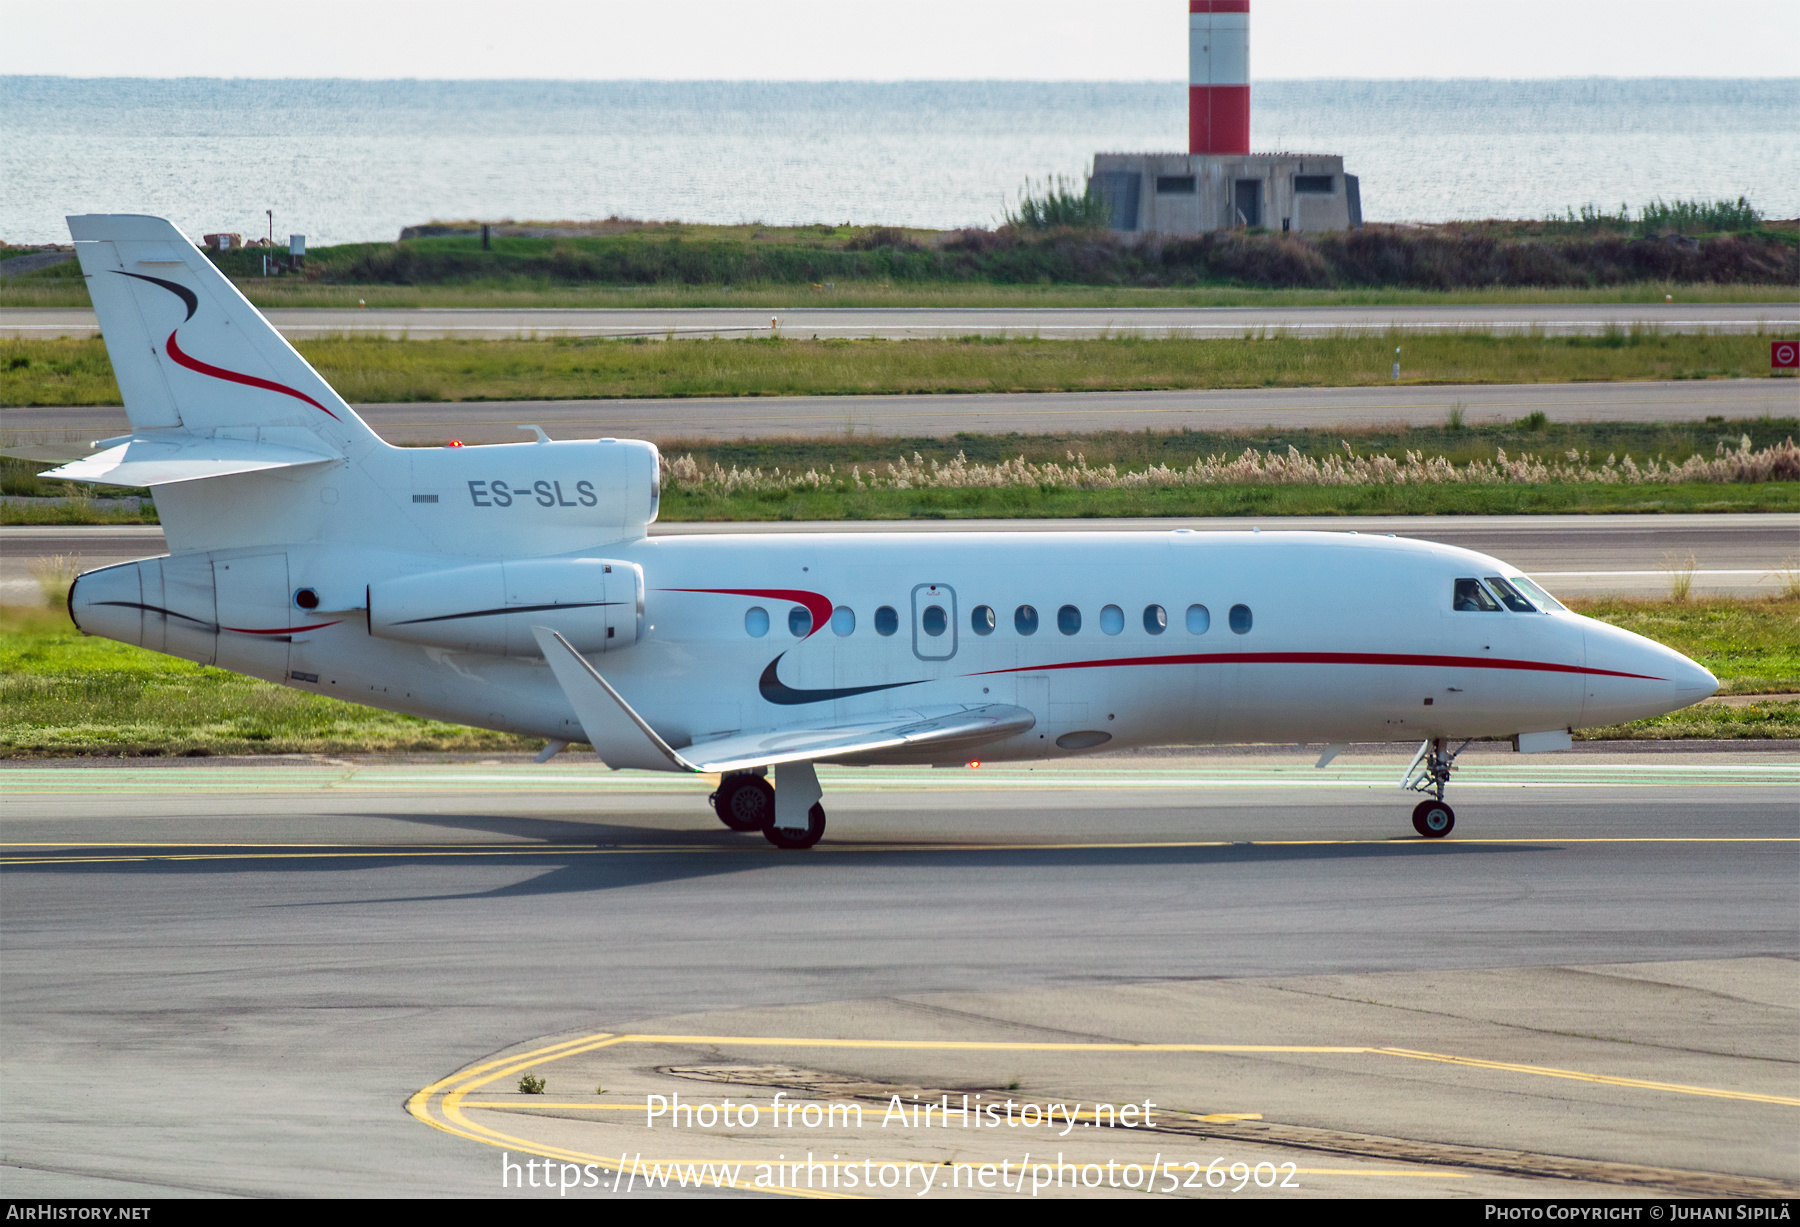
x: 1059, y: 206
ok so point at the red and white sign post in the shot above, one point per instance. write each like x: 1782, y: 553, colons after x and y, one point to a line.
x: 1784, y: 355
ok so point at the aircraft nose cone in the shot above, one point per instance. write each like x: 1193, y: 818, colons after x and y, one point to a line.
x: 1694, y: 682
x: 1642, y: 678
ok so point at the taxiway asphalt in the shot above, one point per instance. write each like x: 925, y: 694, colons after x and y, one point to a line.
x: 899, y: 323
x: 232, y: 977
x: 718, y: 418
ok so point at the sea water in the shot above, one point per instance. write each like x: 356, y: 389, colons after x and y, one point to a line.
x: 344, y: 161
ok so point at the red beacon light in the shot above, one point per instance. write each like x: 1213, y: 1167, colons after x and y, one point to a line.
x: 974, y: 763
x: 454, y: 443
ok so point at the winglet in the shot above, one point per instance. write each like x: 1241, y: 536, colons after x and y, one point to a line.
x: 619, y: 735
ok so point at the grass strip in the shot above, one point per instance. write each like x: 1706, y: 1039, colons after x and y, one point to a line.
x: 76, y: 371
x: 63, y: 694
x: 779, y: 478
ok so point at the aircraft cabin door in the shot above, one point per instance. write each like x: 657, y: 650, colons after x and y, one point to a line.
x: 934, y: 621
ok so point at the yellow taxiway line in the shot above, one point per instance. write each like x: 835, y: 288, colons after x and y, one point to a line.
x: 451, y: 1094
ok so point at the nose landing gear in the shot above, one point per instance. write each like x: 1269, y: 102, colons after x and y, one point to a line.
x: 1433, y: 819
x: 1428, y: 773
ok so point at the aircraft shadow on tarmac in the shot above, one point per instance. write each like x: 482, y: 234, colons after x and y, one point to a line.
x: 640, y: 857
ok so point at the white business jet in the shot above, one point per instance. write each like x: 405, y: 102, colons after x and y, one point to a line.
x: 514, y: 587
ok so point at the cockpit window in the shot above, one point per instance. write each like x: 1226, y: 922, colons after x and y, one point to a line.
x: 1510, y: 596
x: 1471, y: 597
x: 1544, y: 599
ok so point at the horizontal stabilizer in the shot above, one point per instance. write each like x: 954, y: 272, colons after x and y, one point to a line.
x: 622, y: 738
x: 158, y: 460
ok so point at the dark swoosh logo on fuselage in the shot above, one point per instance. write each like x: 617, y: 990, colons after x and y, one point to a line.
x: 775, y: 691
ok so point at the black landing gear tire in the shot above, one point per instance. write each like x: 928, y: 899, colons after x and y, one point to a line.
x: 815, y: 828
x: 1433, y: 819
x: 744, y: 802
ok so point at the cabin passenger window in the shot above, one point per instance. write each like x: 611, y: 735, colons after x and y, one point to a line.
x: 1510, y: 596
x: 981, y: 620
x: 933, y: 621
x: 1471, y: 597
x: 1199, y: 621
x: 756, y: 621
x: 843, y: 620
x: 799, y: 621
x: 1112, y: 619
x: 886, y: 620
x: 1025, y: 620
x: 1155, y: 620
x: 1240, y: 619
x: 1068, y: 619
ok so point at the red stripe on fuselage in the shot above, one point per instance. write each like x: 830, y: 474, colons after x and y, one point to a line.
x: 1324, y: 658
x: 817, y: 603
x: 280, y: 630
x: 219, y: 372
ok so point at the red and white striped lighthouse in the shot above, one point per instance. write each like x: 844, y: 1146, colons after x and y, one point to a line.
x: 1218, y: 76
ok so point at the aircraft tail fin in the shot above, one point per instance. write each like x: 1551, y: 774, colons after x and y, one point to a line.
x: 189, y: 351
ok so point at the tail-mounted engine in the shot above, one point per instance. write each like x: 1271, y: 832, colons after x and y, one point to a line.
x: 596, y: 604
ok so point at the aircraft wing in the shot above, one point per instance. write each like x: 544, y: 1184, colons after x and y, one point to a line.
x: 922, y: 730
x: 622, y: 738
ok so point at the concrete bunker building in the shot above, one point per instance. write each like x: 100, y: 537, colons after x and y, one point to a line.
x: 1218, y: 183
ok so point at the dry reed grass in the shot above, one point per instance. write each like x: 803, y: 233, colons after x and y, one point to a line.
x: 54, y: 573
x: 1742, y: 464
x: 1681, y: 575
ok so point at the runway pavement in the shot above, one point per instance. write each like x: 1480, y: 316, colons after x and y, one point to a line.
x: 265, y: 978
x: 750, y: 417
x: 1554, y: 319
x: 1572, y: 555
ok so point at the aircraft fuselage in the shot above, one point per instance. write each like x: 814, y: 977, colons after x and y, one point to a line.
x: 1111, y: 639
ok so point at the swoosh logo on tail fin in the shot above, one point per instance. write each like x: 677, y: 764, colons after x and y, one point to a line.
x: 205, y: 368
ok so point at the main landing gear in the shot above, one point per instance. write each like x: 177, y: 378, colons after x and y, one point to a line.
x: 806, y: 837
x: 744, y: 802
x: 1428, y: 773
x: 747, y: 803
